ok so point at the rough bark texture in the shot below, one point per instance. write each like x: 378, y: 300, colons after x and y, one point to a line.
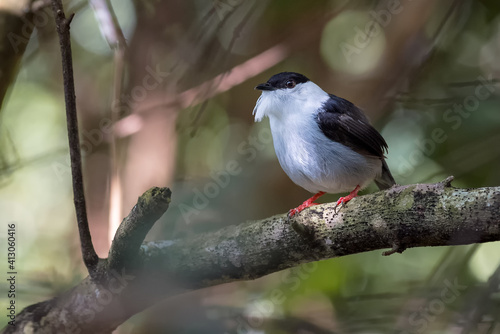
x: 398, y: 218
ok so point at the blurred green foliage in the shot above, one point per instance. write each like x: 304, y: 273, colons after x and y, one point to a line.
x: 428, y: 80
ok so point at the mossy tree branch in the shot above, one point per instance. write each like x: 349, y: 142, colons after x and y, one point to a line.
x: 401, y: 217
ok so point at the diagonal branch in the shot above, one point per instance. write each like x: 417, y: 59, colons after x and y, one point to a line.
x: 398, y: 218
x: 90, y: 257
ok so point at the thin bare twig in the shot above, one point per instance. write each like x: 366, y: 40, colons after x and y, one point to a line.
x: 108, y: 23
x: 90, y: 257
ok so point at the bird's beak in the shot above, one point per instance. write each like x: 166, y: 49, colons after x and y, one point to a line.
x: 264, y: 86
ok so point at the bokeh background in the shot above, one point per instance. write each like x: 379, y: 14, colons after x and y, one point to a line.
x: 165, y: 98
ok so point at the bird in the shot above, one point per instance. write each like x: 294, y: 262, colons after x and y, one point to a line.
x: 324, y: 143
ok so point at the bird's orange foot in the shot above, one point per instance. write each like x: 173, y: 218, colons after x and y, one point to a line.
x: 300, y: 208
x: 344, y: 200
x: 306, y: 204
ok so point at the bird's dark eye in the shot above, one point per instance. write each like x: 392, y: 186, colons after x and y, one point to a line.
x: 290, y: 84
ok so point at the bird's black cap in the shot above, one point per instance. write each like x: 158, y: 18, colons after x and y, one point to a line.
x: 283, y: 80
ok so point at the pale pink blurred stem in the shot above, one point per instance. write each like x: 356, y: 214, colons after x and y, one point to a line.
x: 111, y: 31
x: 220, y: 84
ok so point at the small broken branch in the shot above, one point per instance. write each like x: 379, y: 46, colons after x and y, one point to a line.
x: 119, y: 287
x: 133, y: 229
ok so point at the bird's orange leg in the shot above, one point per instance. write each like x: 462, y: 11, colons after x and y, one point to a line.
x: 354, y: 193
x: 306, y: 204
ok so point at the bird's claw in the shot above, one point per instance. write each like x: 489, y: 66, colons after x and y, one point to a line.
x: 300, y: 208
x: 339, y: 202
x: 343, y: 200
x: 292, y: 213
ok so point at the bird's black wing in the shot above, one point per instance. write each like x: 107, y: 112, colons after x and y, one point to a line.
x: 343, y: 122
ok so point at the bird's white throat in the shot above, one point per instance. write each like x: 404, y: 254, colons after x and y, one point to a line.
x: 305, y: 98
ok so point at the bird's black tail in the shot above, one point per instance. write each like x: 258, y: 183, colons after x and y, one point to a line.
x: 385, y: 181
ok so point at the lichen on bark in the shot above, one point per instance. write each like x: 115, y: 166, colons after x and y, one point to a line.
x: 395, y: 219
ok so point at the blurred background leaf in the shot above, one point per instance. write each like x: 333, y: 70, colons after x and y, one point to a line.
x: 425, y: 72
